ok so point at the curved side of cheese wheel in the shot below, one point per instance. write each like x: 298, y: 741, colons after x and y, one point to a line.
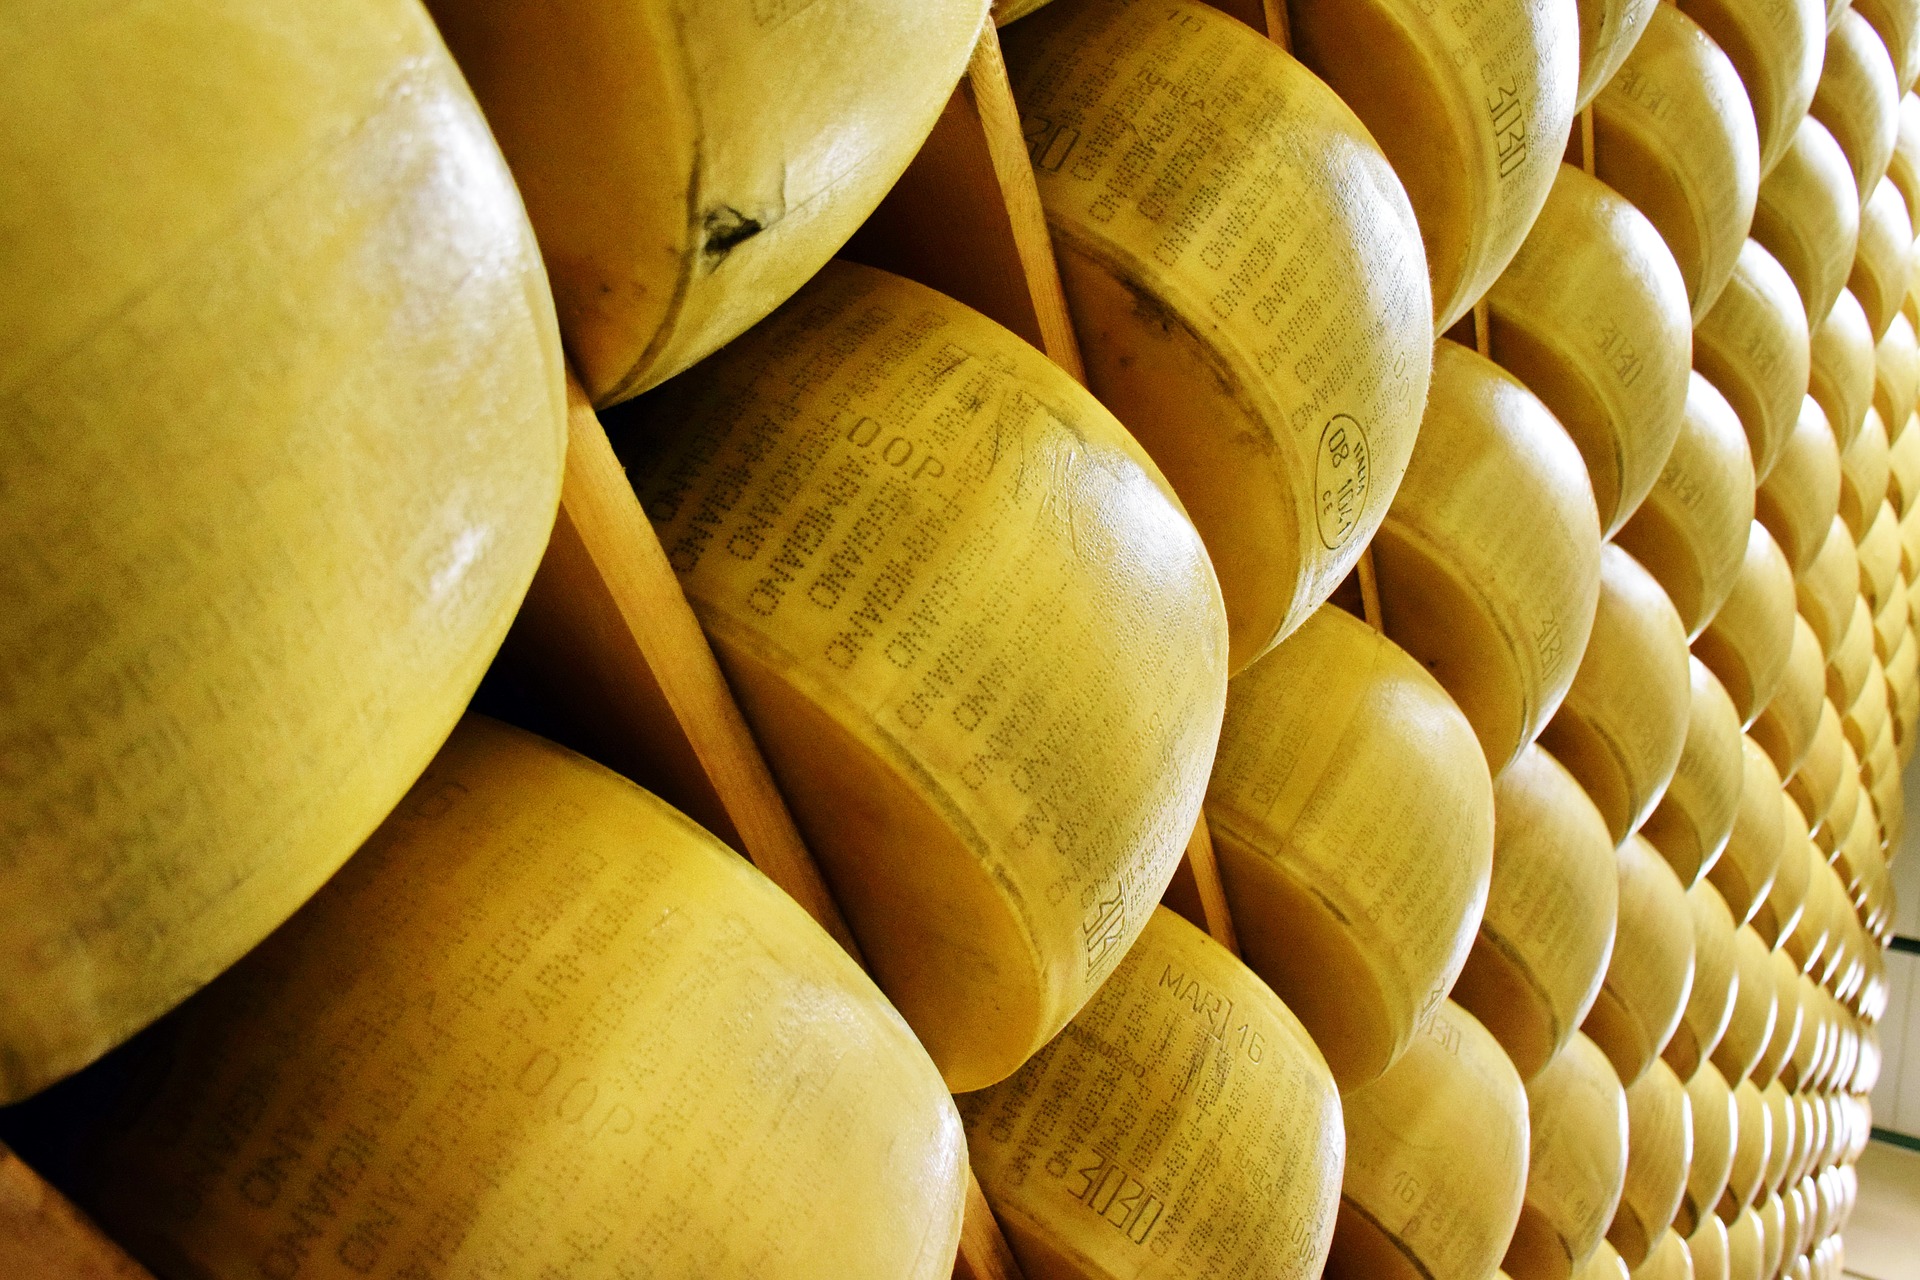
x: 1777, y: 49
x: 1910, y: 540
x: 1488, y: 561
x: 1840, y: 373
x: 1801, y: 494
x: 1691, y: 531
x: 1752, y: 1149
x: 1864, y: 471
x: 1691, y: 823
x: 1828, y: 587
x: 1659, y: 1150
x: 1352, y: 815
x: 1788, y: 1025
x: 1903, y: 167
x: 1608, y: 31
x: 1880, y: 260
x: 1787, y: 898
x: 1250, y: 294
x: 1716, y: 1122
x: 1755, y: 1008
x: 1752, y: 346
x: 1182, y: 1122
x: 1746, y: 1248
x: 1903, y: 456
x: 1748, y: 642
x: 1472, y: 104
x: 1880, y: 553
x: 1650, y: 972
x: 1852, y: 661
x: 540, y: 1001
x: 1667, y: 1259
x: 688, y: 169
x: 1867, y: 717
x: 1548, y: 929
x: 1807, y: 215
x: 1859, y: 100
x: 924, y: 634
x: 1786, y: 1138
x: 1604, y: 1263
x: 1785, y: 730
x: 285, y: 431
x: 1592, y: 315
x: 1436, y: 1160
x: 1707, y: 1250
x: 1577, y: 1163
x: 1816, y: 784
x: 1893, y: 623
x: 1746, y: 867
x: 1711, y: 998
x: 1848, y: 797
x: 1624, y: 720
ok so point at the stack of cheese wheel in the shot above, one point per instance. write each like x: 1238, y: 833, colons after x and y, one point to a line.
x: 1807, y: 215
x: 688, y: 171
x: 1748, y: 642
x: 1473, y: 106
x: 538, y: 1003
x: 1357, y: 905
x: 1488, y: 562
x: 1593, y: 316
x: 284, y: 441
x: 1801, y: 494
x: 1577, y: 1114
x: 1840, y: 367
x: 1436, y: 1160
x: 1777, y: 49
x: 1691, y: 824
x: 1248, y: 290
x: 1659, y: 1151
x: 1650, y: 973
x: 1183, y: 1124
x: 1859, y: 100
x: 1879, y: 276
x: 1752, y: 346
x: 924, y: 639
x: 1746, y: 866
x: 1785, y: 729
x: 1715, y: 976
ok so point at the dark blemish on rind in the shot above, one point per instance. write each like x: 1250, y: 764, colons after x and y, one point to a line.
x: 725, y: 228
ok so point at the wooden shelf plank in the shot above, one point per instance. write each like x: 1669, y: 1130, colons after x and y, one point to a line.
x: 44, y: 1237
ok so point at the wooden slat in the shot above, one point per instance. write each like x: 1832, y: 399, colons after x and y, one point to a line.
x: 984, y: 1254
x: 44, y: 1237
x: 1268, y: 17
x: 1196, y: 891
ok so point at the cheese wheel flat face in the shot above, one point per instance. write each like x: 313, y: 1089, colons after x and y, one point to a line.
x: 1608, y: 31
x: 1777, y: 48
x: 1903, y: 167
x: 1826, y: 590
x: 1864, y: 472
x: 1624, y: 721
x: 1746, y: 866
x: 1182, y: 1124
x: 971, y: 628
x: 1436, y: 1160
x: 1691, y: 532
x: 285, y: 428
x: 1707, y: 1250
x: 1752, y: 346
x: 1807, y: 215
x: 1659, y: 1150
x: 1674, y: 133
x: 1785, y: 730
x: 1710, y: 1000
x: 1472, y: 103
x: 1488, y: 562
x: 1544, y: 941
x: 1841, y: 368
x: 1748, y: 642
x: 1801, y: 494
x: 1690, y: 825
x: 1592, y: 315
x: 1752, y: 1149
x: 1250, y: 289
x: 541, y: 1022
x: 688, y: 167
x: 1352, y: 816
x: 1716, y: 1122
x: 1879, y: 275
x: 1651, y: 970
x: 1577, y: 1163
x: 1858, y: 98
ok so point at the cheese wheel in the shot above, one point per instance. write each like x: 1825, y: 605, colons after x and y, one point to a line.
x: 1707, y: 1250
x: 1747, y: 865
x: 1691, y: 531
x: 1840, y: 373
x: 1710, y: 999
x: 1894, y: 622
x: 1182, y: 1123
x: 1827, y: 589
x: 1650, y: 972
x: 1746, y: 1248
x: 1358, y: 906
x: 1247, y: 282
x: 1715, y: 1129
x: 1852, y: 663
x: 1800, y: 496
x: 1858, y: 98
x: 1473, y: 105
x: 1608, y: 31
x: 1787, y: 897
x: 1436, y: 1160
x: 1667, y: 1259
x: 1880, y: 553
x: 1910, y: 540
x: 1788, y: 1023
x: 1785, y: 729
x: 1548, y: 929
x: 537, y: 1004
x: 688, y: 171
x: 1752, y: 346
x: 1577, y: 1113
x: 1867, y: 717
x: 1854, y: 859
x: 1807, y: 215
x: 1817, y: 783
x: 1879, y: 276
x: 1903, y: 457
x: 1864, y: 470
x: 1786, y: 1140
x: 1752, y: 1147
x: 1624, y: 721
x: 1751, y: 636
x: 1673, y: 132
x: 1690, y: 825
x: 1847, y: 799
x: 1903, y: 166
x: 991, y: 702
x: 1659, y: 1150
x: 1604, y: 1263
x: 1807, y: 940
x: 1755, y: 1008
x: 1777, y: 49
x: 283, y: 450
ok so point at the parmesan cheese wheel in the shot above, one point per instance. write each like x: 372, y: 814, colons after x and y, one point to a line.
x: 1690, y: 825
x: 1659, y: 1151
x: 1604, y: 1263
x: 1863, y: 721
x: 283, y: 446
x: 1816, y: 783
x: 1747, y: 865
x: 1608, y: 31
x: 1841, y: 368
x: 1858, y: 98
x: 1788, y: 1023
x: 1800, y: 496
x: 1707, y: 1250
x: 1852, y: 663
x: 990, y: 699
x: 1846, y: 798
x: 1903, y: 167
x: 1650, y: 973
x: 1182, y: 1123
x: 1624, y: 721
x: 1787, y: 896
x: 1785, y: 729
x: 1777, y: 49
x: 1691, y: 531
x: 1896, y: 380
x: 1751, y: 636
x: 1472, y: 104
x: 1879, y: 276
x: 1864, y: 470
x: 538, y: 1004
x: 688, y: 169
x: 1755, y: 1008
x: 1247, y: 281
x: 1548, y: 929
x: 1752, y: 1149
x: 1673, y: 132
x: 1710, y: 999
x: 1903, y: 458
x: 1592, y: 315
x: 1746, y: 1248
x: 1894, y: 622
x: 1807, y: 215
x: 1668, y: 1259
x: 1488, y: 562
x: 1910, y: 540
x: 1880, y: 553
x: 1752, y: 346
x: 1786, y: 1120
x: 1827, y: 589
x: 1357, y: 905
x: 1436, y: 1160
x: 1577, y: 1113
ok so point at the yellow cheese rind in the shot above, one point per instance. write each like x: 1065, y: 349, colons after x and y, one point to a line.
x: 1711, y: 998
x: 1785, y: 730
x: 1752, y: 346
x: 1752, y: 1150
x: 1691, y: 823
x: 689, y: 167
x: 1807, y: 215
x: 1864, y: 472
x: 1827, y: 589
x: 1787, y: 897
x: 1608, y: 31
x: 1747, y: 865
x: 1746, y: 1247
x: 285, y: 422
x: 1777, y: 49
x: 1707, y: 1250
x: 1183, y: 1123
x: 1651, y: 971
x: 1896, y: 389
x: 1659, y: 1150
x: 1751, y: 636
x: 1841, y: 369
x: 931, y: 563
x: 1858, y: 98
x: 1880, y: 553
x: 1880, y: 261
x: 1903, y: 167
x: 1577, y: 1163
x: 1716, y: 1122
x: 1801, y: 494
x: 1604, y: 1263
x: 1249, y: 290
x: 541, y: 1022
x: 1488, y: 562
